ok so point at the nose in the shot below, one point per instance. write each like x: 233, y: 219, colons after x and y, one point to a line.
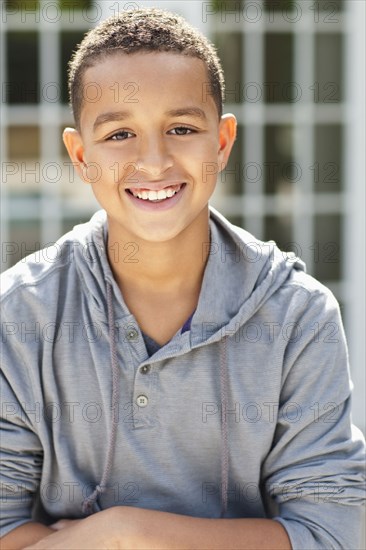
x: 154, y: 158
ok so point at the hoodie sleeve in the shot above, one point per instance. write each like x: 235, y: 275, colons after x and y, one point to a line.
x: 314, y: 473
x: 21, y: 451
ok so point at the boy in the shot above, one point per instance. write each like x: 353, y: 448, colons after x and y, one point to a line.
x: 176, y: 394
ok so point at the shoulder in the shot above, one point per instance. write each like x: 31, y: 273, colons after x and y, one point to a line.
x: 36, y: 272
x: 262, y: 265
x: 313, y: 303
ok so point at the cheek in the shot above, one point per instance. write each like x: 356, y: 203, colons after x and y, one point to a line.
x: 207, y: 165
x: 115, y: 169
x: 118, y: 164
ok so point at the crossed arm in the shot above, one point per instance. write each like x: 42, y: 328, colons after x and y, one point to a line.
x: 128, y: 528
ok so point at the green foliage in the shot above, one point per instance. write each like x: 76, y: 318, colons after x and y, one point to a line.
x: 18, y: 5
x: 74, y: 4
x: 32, y: 5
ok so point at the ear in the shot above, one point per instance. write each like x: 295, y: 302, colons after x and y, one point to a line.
x: 74, y: 145
x: 227, y: 136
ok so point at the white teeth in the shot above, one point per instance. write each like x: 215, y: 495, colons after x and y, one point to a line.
x: 152, y: 195
x: 156, y: 195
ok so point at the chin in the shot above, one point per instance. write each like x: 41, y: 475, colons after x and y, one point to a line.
x: 160, y: 237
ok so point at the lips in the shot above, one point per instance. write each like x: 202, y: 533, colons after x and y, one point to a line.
x: 156, y: 204
x: 154, y: 195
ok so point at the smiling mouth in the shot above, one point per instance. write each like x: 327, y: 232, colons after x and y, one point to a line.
x: 151, y: 195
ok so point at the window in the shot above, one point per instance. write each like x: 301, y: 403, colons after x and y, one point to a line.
x: 278, y: 83
x: 22, y: 82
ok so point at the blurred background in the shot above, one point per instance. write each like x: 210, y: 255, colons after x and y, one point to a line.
x: 295, y: 77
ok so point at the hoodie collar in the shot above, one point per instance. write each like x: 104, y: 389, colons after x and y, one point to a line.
x: 241, y: 273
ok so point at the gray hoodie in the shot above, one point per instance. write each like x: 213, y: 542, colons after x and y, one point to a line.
x: 247, y: 414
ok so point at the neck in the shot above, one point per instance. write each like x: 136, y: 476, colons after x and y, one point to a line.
x: 173, y: 266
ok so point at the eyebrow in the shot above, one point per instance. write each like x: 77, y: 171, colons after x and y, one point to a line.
x: 188, y: 111
x: 114, y: 116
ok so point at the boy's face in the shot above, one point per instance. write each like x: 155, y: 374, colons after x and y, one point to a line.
x: 148, y: 125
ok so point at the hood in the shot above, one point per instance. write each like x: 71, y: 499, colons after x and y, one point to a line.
x: 241, y: 273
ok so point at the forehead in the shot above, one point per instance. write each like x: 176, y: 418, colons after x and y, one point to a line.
x: 146, y: 79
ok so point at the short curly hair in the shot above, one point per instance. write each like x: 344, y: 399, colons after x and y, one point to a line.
x: 145, y: 29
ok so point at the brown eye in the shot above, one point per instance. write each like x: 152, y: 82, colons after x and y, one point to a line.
x: 182, y: 131
x: 120, y: 136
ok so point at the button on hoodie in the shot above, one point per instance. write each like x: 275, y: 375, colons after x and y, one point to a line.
x: 142, y: 400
